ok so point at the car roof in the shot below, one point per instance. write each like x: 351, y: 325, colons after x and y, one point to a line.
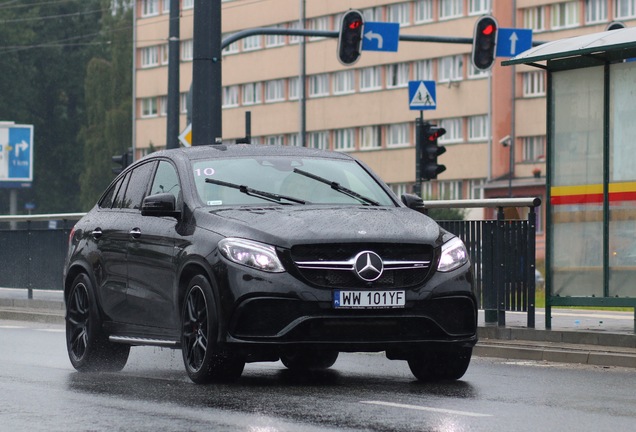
x: 246, y: 150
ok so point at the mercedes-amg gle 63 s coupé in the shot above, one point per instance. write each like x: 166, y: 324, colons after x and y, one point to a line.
x: 247, y: 253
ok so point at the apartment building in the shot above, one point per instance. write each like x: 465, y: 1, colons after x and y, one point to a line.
x: 494, y: 120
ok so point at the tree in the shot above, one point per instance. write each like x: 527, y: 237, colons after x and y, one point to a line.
x: 108, y: 92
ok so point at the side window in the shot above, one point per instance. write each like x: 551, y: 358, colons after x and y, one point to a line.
x: 166, y: 180
x: 137, y: 186
x: 118, y: 201
x: 107, y: 199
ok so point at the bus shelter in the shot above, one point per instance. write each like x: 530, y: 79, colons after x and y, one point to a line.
x: 591, y: 168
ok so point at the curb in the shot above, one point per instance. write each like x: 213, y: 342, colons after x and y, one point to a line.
x: 574, y: 347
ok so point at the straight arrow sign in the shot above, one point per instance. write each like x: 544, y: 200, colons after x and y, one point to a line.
x: 513, y: 41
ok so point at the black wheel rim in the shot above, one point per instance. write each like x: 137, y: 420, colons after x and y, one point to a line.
x: 77, y: 321
x: 195, y: 329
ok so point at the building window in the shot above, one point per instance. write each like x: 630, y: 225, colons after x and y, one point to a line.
x: 252, y: 43
x: 474, y: 73
x: 319, y: 140
x: 399, y: 13
x: 372, y: 14
x: 371, y: 78
x: 183, y: 103
x: 450, y: 190
x: 454, y: 132
x: 166, y: 6
x: 320, y: 23
x: 595, y: 11
x: 149, y: 8
x: 187, y: 4
x: 533, y: 84
x: 450, y: 68
x: 230, y: 96
x: 163, y: 106
x: 164, y: 51
x: 293, y: 140
x: 319, y: 85
x: 149, y: 57
x: 343, y: 82
x: 398, y: 135
x: 565, y: 15
x: 293, y: 90
x: 275, y: 91
x: 625, y: 8
x: 423, y: 70
x: 478, y: 128
x: 533, y: 148
x: 423, y: 11
x: 149, y: 107
x: 451, y: 9
x: 187, y: 47
x: 534, y: 18
x: 343, y: 140
x: 370, y: 138
x: 476, y: 189
x: 294, y: 25
x: 272, y: 41
x: 479, y: 7
x: 274, y: 140
x: 251, y: 93
x: 397, y: 75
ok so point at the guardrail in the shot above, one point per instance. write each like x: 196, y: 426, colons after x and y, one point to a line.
x: 502, y: 253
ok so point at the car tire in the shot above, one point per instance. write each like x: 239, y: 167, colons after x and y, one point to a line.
x: 309, y: 360
x: 440, y: 364
x: 88, y: 346
x: 203, y: 361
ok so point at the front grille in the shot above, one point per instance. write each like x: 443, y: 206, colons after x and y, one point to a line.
x: 332, y: 265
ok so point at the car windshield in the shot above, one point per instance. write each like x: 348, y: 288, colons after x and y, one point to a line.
x: 276, y: 175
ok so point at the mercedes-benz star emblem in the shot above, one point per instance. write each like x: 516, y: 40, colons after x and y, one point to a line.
x: 368, y: 266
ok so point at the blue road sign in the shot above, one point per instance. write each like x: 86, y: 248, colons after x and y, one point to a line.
x: 380, y: 36
x: 422, y: 95
x: 513, y: 41
x: 16, y: 155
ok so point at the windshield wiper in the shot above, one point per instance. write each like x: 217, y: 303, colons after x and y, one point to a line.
x: 267, y: 196
x: 338, y: 187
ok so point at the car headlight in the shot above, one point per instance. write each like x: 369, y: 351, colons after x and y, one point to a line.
x: 252, y: 254
x: 454, y: 255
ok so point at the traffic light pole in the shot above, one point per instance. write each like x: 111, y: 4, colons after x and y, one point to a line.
x: 172, y: 132
x: 419, y: 124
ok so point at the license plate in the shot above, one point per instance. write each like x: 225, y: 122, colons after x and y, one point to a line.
x: 368, y: 299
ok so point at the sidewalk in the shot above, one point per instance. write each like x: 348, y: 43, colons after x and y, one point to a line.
x: 602, y: 338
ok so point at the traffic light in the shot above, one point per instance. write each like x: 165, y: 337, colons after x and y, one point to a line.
x: 484, y: 42
x: 430, y: 150
x: 123, y: 160
x: 350, y: 37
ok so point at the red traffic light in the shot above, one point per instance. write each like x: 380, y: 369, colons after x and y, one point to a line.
x: 484, y: 42
x: 350, y: 37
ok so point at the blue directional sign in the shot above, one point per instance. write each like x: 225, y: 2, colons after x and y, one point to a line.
x: 16, y: 155
x: 380, y: 36
x: 513, y: 41
x: 422, y: 95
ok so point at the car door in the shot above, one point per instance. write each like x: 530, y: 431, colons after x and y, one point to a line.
x: 151, y: 264
x: 109, y: 242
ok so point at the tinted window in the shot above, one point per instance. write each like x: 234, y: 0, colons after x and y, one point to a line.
x: 166, y: 180
x: 137, y: 186
x: 118, y: 201
x: 107, y: 199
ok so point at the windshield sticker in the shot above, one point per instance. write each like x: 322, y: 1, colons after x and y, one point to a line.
x: 215, y: 203
x: 207, y: 172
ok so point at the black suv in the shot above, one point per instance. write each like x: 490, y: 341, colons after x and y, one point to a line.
x: 246, y: 253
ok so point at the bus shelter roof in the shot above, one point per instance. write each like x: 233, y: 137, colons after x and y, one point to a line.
x: 606, y: 46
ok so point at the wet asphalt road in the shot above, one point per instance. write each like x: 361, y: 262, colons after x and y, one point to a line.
x: 40, y: 391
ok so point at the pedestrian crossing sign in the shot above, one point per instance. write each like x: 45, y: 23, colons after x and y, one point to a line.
x: 422, y: 95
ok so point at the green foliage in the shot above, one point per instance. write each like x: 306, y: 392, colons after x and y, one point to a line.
x: 447, y: 214
x: 45, y: 48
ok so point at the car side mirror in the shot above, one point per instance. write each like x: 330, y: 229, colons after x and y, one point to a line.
x: 162, y: 204
x: 414, y: 202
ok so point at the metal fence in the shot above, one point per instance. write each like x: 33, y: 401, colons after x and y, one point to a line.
x: 502, y: 253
